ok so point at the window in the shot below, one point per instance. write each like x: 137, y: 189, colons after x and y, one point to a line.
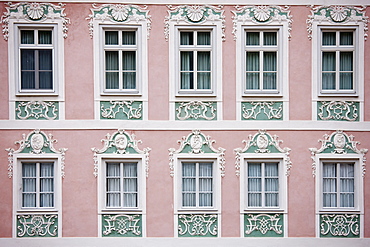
x: 261, y: 61
x: 263, y: 184
x: 338, y: 60
x: 37, y: 185
x: 197, y: 184
x: 120, y: 58
x: 121, y: 187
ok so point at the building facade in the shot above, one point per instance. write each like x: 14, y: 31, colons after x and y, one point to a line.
x: 166, y: 123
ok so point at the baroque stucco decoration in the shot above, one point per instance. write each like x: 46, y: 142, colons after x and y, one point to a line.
x: 195, y: 110
x: 261, y: 14
x: 338, y: 144
x: 36, y: 143
x: 195, y: 14
x: 197, y: 143
x: 120, y: 142
x: 262, y: 143
x: 337, y: 15
x: 34, y: 13
x: 119, y: 13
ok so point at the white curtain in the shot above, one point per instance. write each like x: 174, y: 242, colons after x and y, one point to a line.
x: 271, y: 185
x: 28, y: 69
x: 252, y: 64
x: 130, y: 185
x: 270, y: 68
x: 187, y: 69
x: 346, y: 70
x: 111, y: 67
x: 204, y: 70
x: 270, y: 38
x: 254, y: 185
x: 188, y: 184
x: 29, y: 185
x: 46, y: 185
x: 45, y: 69
x: 205, y: 185
x: 347, y: 185
x: 252, y: 38
x: 329, y: 185
x: 113, y: 174
x: 129, y: 69
x: 328, y: 68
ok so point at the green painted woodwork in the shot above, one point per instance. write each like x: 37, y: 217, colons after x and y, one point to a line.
x: 338, y: 111
x: 196, y: 110
x: 263, y: 225
x: 121, y: 110
x: 37, y: 225
x: 262, y: 110
x: 340, y: 225
x: 198, y: 225
x: 37, y: 110
x: 122, y: 225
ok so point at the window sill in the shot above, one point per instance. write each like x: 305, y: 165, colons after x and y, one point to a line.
x: 263, y: 210
x: 197, y: 211
x: 37, y: 210
x: 338, y: 211
x: 35, y: 93
x: 120, y: 211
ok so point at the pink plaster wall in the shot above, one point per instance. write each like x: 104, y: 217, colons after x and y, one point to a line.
x: 300, y: 57
x: 4, y: 92
x: 79, y: 67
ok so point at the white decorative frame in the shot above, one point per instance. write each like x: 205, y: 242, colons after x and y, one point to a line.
x: 261, y: 17
x: 24, y: 14
x: 339, y: 147
x: 120, y: 16
x: 32, y: 148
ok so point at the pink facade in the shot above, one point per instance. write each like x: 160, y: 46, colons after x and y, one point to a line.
x: 80, y: 124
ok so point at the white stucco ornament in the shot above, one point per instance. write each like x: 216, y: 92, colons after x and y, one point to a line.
x: 120, y: 12
x: 262, y: 141
x: 339, y: 141
x: 120, y: 141
x: 37, y: 143
x: 195, y: 13
x: 196, y: 143
x: 338, y: 14
x: 262, y: 13
x: 35, y: 11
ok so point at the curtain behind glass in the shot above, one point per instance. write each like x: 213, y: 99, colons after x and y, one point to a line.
x: 204, y: 38
x: 204, y: 70
x: 128, y: 38
x: 347, y: 185
x: 328, y: 68
x: 46, y: 185
x: 129, y: 69
x: 252, y: 64
x: 45, y: 69
x: 28, y: 69
x: 205, y: 185
x: 329, y: 185
x: 29, y: 185
x: 111, y: 67
x: 113, y: 186
x: 270, y: 38
x: 271, y: 185
x: 187, y: 69
x: 346, y: 70
x: 188, y: 184
x: 254, y: 185
x: 130, y: 185
x: 270, y: 70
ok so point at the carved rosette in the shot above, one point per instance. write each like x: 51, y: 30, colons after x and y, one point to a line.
x: 197, y: 143
x: 262, y: 110
x: 337, y: 15
x: 119, y: 13
x: 126, y: 110
x: 198, y: 225
x: 195, y: 14
x: 262, y: 142
x: 120, y: 142
x: 196, y: 110
x: 338, y: 111
x: 34, y: 12
x: 261, y: 15
x: 339, y: 225
x: 122, y: 225
x: 37, y: 225
x: 37, y: 110
x: 35, y: 143
x: 338, y: 143
x: 263, y: 224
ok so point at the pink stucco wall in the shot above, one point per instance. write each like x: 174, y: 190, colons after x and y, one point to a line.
x: 4, y: 92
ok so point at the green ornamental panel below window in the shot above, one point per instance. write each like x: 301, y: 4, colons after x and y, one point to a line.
x: 262, y: 110
x: 263, y: 225
x: 37, y: 110
x: 340, y: 225
x: 198, y: 225
x: 37, y: 225
x: 338, y: 111
x: 122, y: 110
x: 122, y: 225
x: 196, y: 110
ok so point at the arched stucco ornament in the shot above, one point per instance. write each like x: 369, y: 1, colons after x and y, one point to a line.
x: 34, y: 13
x: 339, y: 144
x: 36, y: 143
x: 261, y: 14
x: 194, y: 14
x: 197, y: 143
x: 121, y: 143
x: 262, y: 143
x: 337, y: 15
x: 119, y: 13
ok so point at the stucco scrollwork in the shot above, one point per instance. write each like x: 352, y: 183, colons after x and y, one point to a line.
x: 260, y: 110
x: 121, y: 109
x: 264, y: 223
x: 122, y: 224
x: 195, y: 110
x: 37, y: 225
x: 339, y: 224
x: 338, y: 110
x: 198, y: 225
x: 37, y: 110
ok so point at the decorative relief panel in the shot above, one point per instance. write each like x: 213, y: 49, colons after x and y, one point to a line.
x: 122, y: 225
x: 36, y: 143
x: 340, y: 225
x: 262, y: 110
x: 338, y: 143
x: 195, y: 14
x: 263, y: 225
x: 119, y: 13
x: 123, y: 110
x: 37, y: 110
x: 261, y: 15
x: 196, y: 110
x: 198, y: 225
x: 338, y: 110
x: 262, y: 142
x: 37, y: 225
x: 197, y: 143
x: 120, y: 142
x: 34, y: 12
x: 337, y: 15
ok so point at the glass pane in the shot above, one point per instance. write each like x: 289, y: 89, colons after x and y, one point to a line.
x: 329, y: 200
x: 252, y: 38
x: 112, y: 80
x: 270, y: 38
x: 254, y: 169
x: 328, y: 38
x: 186, y: 38
x: 269, y: 61
x: 130, y: 200
x: 111, y: 37
x: 186, y: 60
x: 45, y: 37
x: 27, y: 37
x: 204, y: 80
x: 252, y: 61
x: 130, y: 170
x: 252, y: 81
x: 128, y: 38
x: 347, y: 200
x: 347, y: 170
x: 45, y: 60
x: 271, y: 169
x: 113, y: 170
x: 271, y: 199
x: 204, y: 61
x: 128, y: 60
x: 188, y: 199
x: 328, y: 61
x: 328, y: 81
x: 345, y: 81
x: 113, y: 200
x: 27, y: 59
x: 47, y: 200
x: 188, y: 169
x: 129, y: 80
x: 204, y: 38
x: 205, y: 200
x: 111, y: 60
x: 187, y: 80
x: 346, y: 38
x: 346, y: 61
x: 269, y: 81
x: 254, y: 199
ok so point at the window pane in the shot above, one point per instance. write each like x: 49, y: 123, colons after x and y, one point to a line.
x: 112, y: 74
x: 346, y: 38
x: 204, y: 64
x: 346, y: 61
x: 130, y: 185
x: 128, y: 38
x: 29, y: 185
x: 271, y: 199
x: 252, y: 38
x: 346, y: 64
x: 112, y: 80
x: 45, y: 37
x: 329, y: 185
x: 328, y: 61
x: 252, y: 81
x: 111, y: 37
x: 113, y: 185
x: 45, y: 60
x: 186, y: 38
x: 27, y: 59
x: 188, y: 184
x: 269, y: 64
x: 254, y: 169
x: 111, y: 60
x: 271, y: 169
x: 204, y: 38
x: 328, y: 38
x: 187, y: 78
x: 27, y: 37
x: 252, y: 61
x: 254, y: 199
x: 269, y: 38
